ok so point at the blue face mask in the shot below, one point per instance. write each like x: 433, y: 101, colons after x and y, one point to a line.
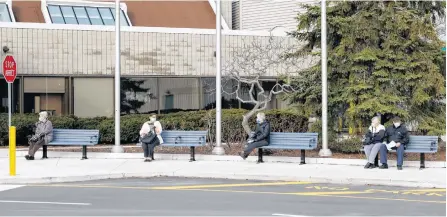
x: 258, y: 121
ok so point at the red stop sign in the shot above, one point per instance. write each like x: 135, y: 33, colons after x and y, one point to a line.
x: 9, y: 69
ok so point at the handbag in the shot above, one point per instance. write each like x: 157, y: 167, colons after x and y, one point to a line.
x: 148, y: 138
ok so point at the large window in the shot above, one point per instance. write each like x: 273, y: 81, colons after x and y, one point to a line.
x: 85, y: 15
x: 5, y: 16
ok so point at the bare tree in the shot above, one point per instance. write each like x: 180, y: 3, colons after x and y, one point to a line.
x: 261, y: 57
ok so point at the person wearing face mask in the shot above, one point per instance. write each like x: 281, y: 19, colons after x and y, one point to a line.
x: 150, y: 136
x: 43, y: 135
x: 373, y: 141
x: 260, y: 137
x: 398, y: 134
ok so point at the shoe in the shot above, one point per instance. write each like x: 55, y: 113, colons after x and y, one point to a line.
x: 399, y: 167
x: 243, y: 156
x: 27, y: 157
x: 384, y: 166
x: 147, y: 160
x: 369, y: 166
x: 31, y: 158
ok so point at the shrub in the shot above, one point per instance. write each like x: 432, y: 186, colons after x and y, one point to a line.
x: 232, y: 131
x: 350, y: 145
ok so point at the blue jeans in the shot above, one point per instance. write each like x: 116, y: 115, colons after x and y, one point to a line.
x: 399, y: 151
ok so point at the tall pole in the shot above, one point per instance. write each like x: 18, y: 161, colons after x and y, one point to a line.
x: 218, y: 149
x: 9, y: 104
x: 117, y: 148
x: 325, y: 151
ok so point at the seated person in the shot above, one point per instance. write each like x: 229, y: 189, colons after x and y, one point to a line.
x: 43, y: 135
x: 373, y: 141
x: 397, y: 137
x: 150, y: 136
x: 260, y: 137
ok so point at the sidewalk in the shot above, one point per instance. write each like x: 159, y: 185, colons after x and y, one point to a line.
x: 185, y: 157
x: 67, y: 167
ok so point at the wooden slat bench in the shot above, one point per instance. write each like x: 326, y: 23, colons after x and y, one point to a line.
x: 179, y: 138
x: 73, y: 137
x: 291, y: 141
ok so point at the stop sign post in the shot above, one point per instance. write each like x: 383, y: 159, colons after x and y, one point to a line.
x: 10, y: 74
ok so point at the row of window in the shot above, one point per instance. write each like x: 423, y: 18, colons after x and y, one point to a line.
x: 85, y: 15
x: 81, y: 15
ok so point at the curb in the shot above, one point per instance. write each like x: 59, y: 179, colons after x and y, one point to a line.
x: 267, y: 159
x: 343, y: 181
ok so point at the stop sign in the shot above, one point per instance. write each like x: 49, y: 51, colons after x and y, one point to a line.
x: 9, y: 69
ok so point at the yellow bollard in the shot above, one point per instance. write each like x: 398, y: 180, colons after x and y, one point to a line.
x: 12, y: 151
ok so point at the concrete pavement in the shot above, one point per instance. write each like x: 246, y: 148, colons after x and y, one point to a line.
x: 185, y: 157
x: 67, y: 169
x: 168, y: 196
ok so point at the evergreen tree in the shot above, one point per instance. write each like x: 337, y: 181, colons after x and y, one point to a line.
x: 132, y: 104
x: 383, y: 57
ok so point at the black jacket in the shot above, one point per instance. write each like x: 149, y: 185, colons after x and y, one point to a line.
x: 377, y: 137
x: 398, y: 135
x: 262, y: 132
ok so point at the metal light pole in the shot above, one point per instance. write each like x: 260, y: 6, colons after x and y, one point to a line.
x: 117, y: 148
x: 325, y: 151
x: 218, y: 149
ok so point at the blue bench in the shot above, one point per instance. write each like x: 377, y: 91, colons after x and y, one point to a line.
x: 418, y: 144
x: 178, y: 138
x: 292, y: 141
x: 70, y: 137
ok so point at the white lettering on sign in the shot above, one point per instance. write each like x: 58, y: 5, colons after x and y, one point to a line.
x: 9, y: 64
x: 9, y: 73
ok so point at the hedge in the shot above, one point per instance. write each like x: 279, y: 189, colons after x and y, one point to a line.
x: 232, y: 131
x: 350, y: 145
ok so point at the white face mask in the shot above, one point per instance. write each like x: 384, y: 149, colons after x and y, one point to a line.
x: 42, y: 119
x: 152, y: 119
x: 396, y: 125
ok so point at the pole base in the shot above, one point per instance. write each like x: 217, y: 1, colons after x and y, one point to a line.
x: 325, y: 153
x: 218, y: 150
x: 117, y: 149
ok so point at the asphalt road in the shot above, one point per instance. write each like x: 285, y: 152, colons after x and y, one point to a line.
x: 216, y: 197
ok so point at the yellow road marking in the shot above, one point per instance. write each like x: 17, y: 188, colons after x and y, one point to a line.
x: 427, y: 190
x: 330, y: 193
x: 327, y: 194
x: 229, y: 185
x: 195, y: 188
x: 329, y: 188
x: 435, y: 194
x: 384, y: 198
x: 179, y: 187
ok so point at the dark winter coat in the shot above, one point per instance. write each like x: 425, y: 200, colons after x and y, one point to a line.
x: 374, y: 135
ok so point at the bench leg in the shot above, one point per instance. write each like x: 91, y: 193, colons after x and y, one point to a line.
x: 260, y: 160
x: 422, y: 161
x: 193, y: 154
x: 303, y: 157
x: 376, y: 160
x: 84, y: 152
x: 44, y: 152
